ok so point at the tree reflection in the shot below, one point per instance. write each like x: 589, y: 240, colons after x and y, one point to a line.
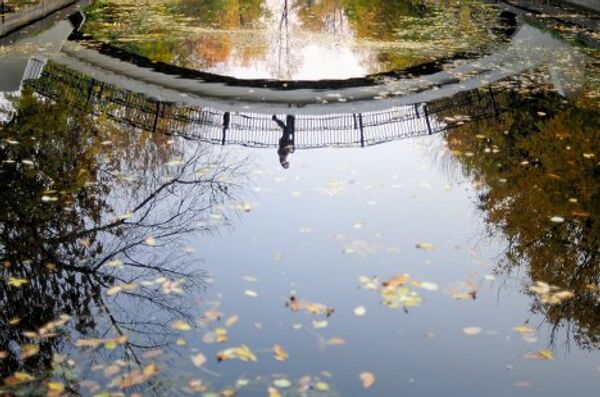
x: 541, y: 174
x: 95, y: 231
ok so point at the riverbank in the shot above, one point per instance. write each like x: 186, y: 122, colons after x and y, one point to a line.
x: 14, y: 21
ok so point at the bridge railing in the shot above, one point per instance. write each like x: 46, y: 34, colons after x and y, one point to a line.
x: 260, y: 130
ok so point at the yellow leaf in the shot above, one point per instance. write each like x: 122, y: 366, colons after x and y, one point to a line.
x: 181, y: 325
x: 279, y: 353
x: 150, y: 371
x: 16, y: 282
x: 546, y: 354
x: 56, y: 387
x: 273, y: 392
x: 18, y: 377
x: 425, y: 246
x: 28, y: 351
x: 231, y: 320
x: 523, y: 329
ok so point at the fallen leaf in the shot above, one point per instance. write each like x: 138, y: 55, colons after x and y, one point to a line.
x: 198, y: 359
x: 181, y: 325
x: 367, y: 379
x: 16, y: 282
x: 472, y: 331
x: 279, y: 353
x: 360, y: 311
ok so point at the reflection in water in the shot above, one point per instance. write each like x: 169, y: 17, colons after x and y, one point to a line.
x: 540, y: 179
x: 92, y: 239
x: 100, y: 197
x: 293, y: 39
x: 286, y: 142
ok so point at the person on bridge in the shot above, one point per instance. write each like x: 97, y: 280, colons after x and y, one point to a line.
x: 286, y: 142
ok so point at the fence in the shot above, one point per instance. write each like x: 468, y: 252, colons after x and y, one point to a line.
x: 261, y: 130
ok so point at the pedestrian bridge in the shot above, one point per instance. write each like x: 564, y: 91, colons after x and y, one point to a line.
x: 175, y: 101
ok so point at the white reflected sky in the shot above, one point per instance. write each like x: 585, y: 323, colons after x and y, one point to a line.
x: 291, y: 52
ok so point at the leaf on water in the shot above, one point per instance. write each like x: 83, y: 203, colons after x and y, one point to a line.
x: 335, y: 341
x: 29, y: 350
x: 472, y: 331
x: 360, y: 311
x: 137, y: 377
x: 150, y: 371
x: 273, y: 392
x: 231, y: 320
x: 197, y: 386
x: 180, y: 325
x: 56, y: 387
x: 17, y: 282
x: 369, y: 283
x: 228, y: 392
x: 426, y: 285
x: 320, y: 324
x: 550, y: 294
x: 242, y: 353
x: 282, y: 383
x: 198, y: 359
x: 523, y: 330
x: 17, y: 378
x: 425, y: 246
x: 397, y: 281
x: 279, y: 353
x: 322, y: 386
x: 367, y: 379
x: 92, y: 342
x: 295, y: 304
x: 400, y: 297
x: 542, y: 355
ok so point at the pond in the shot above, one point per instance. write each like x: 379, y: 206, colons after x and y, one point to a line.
x: 183, y: 217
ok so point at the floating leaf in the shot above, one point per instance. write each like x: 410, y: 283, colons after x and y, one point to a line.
x: 16, y: 282
x: 472, y: 331
x: 322, y: 386
x: 367, y: 379
x: 425, y: 246
x: 523, y: 329
x: 198, y: 359
x: 320, y: 324
x: 231, y: 320
x: 279, y: 353
x: 18, y: 377
x: 541, y: 355
x: 282, y: 383
x: 360, y: 311
x: 93, y: 342
x: 335, y: 341
x: 181, y: 325
x: 29, y: 350
x: 242, y: 353
x: 56, y: 387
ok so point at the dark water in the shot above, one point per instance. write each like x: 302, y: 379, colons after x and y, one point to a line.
x: 142, y: 256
